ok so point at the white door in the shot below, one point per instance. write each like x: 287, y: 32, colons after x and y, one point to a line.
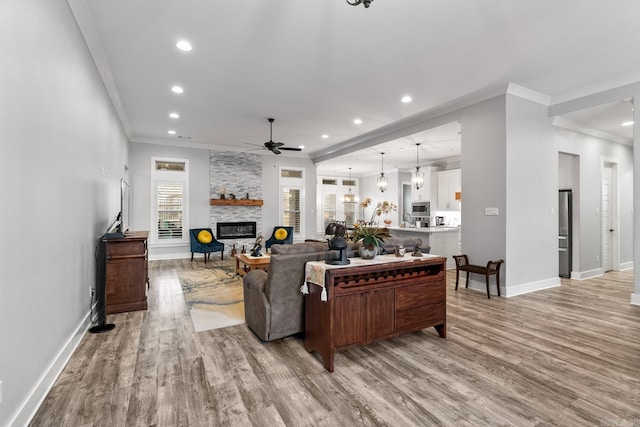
x: 607, y: 231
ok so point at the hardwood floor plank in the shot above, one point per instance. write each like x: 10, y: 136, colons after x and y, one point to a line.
x: 565, y: 356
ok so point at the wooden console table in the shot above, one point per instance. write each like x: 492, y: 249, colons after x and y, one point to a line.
x: 127, y: 273
x: 366, y: 303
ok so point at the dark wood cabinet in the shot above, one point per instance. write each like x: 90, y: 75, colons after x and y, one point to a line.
x: 370, y: 302
x: 127, y: 273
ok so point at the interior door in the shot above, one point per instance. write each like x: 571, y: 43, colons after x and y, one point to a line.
x: 607, y: 230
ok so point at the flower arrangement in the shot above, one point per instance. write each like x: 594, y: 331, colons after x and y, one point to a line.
x: 369, y: 236
x: 384, y: 208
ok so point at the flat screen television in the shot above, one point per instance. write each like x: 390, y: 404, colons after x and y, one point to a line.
x: 125, y: 206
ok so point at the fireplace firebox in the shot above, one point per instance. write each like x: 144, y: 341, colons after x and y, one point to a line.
x: 235, y: 230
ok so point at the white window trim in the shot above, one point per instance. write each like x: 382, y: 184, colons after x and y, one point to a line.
x: 169, y: 177
x: 295, y: 183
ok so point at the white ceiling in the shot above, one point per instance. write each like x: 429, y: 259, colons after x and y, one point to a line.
x: 316, y: 65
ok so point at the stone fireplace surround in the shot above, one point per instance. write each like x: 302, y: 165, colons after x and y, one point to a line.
x: 236, y: 173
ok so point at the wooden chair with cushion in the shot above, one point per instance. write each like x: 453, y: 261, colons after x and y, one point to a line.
x: 282, y: 235
x: 203, y: 242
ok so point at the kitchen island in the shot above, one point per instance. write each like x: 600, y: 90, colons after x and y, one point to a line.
x: 444, y: 240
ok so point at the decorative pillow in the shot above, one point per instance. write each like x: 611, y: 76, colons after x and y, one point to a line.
x: 281, y: 234
x: 204, y: 237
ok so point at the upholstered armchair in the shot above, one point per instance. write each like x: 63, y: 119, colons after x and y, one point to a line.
x: 203, y: 242
x: 282, y: 235
x: 273, y: 304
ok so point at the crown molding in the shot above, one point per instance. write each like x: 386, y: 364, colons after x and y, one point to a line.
x: 81, y: 14
x: 568, y: 124
x: 605, y: 86
x: 208, y: 146
x: 528, y: 94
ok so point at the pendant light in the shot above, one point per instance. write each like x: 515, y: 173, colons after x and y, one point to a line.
x: 383, y: 182
x: 349, y: 197
x: 418, y: 179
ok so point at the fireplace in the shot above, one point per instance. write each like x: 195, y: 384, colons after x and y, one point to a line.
x: 235, y: 230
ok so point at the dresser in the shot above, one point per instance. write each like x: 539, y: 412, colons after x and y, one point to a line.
x: 127, y: 273
x: 366, y: 303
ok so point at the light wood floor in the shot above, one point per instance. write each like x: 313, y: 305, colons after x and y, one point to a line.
x: 568, y: 356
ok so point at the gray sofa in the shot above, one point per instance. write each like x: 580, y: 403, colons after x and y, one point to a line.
x: 273, y: 304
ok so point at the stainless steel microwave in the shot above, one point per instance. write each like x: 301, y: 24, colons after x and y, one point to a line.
x: 420, y: 209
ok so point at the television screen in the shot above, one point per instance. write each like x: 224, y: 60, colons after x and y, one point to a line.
x: 125, y: 203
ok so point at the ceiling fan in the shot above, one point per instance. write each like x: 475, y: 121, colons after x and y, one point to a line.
x: 275, y: 147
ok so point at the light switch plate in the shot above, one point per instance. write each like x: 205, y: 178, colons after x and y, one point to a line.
x: 492, y: 211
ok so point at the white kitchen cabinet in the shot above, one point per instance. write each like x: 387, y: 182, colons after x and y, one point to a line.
x: 429, y: 191
x: 445, y: 243
x: 448, y: 186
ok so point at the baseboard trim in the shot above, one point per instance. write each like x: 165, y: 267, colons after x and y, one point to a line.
x: 626, y: 266
x: 583, y: 275
x: 179, y: 255
x: 31, y: 404
x: 525, y: 288
x: 635, y: 299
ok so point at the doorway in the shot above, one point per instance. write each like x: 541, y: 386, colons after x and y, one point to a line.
x: 609, y: 217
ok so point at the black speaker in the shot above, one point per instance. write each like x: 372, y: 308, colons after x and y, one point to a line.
x: 102, y: 255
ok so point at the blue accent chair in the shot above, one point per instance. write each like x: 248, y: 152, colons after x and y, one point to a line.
x: 277, y: 236
x: 205, y: 248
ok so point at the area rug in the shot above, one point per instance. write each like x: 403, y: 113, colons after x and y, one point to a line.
x: 214, y: 296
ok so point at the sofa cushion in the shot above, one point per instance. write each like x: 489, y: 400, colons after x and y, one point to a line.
x: 299, y: 248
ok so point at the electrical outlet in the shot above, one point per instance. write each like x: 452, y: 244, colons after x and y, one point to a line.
x: 91, y: 292
x: 597, y: 258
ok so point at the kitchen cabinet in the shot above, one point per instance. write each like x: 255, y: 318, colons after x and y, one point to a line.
x: 429, y: 191
x: 448, y: 186
x: 446, y: 244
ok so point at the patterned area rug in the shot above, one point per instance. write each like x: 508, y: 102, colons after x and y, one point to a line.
x: 214, y: 296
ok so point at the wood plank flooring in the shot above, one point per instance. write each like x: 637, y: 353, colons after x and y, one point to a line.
x: 568, y: 356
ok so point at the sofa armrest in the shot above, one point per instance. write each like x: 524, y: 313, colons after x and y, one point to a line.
x: 255, y: 281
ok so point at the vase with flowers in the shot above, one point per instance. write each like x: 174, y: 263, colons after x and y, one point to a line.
x: 385, y: 208
x: 369, y: 239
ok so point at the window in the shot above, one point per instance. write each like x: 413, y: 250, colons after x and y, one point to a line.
x: 170, y: 207
x: 291, y: 208
x: 292, y: 198
x: 328, y: 209
x: 169, y: 181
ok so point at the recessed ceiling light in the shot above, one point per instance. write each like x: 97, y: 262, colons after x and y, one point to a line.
x: 627, y: 123
x: 172, y: 132
x: 406, y: 99
x: 357, y: 121
x: 177, y: 89
x: 174, y: 115
x: 184, y: 45
x: 325, y: 136
x: 301, y: 147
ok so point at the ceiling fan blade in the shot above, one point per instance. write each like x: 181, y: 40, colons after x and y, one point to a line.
x: 275, y: 150
x: 291, y: 148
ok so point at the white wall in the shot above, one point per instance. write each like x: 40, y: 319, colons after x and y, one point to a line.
x: 532, y: 197
x: 59, y: 133
x: 270, y: 191
x: 591, y: 151
x: 140, y: 171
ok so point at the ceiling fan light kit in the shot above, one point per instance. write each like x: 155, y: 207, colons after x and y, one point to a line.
x: 357, y: 2
x: 275, y: 147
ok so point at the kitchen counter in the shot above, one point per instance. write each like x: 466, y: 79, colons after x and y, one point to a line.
x: 436, y: 229
x: 444, y: 240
